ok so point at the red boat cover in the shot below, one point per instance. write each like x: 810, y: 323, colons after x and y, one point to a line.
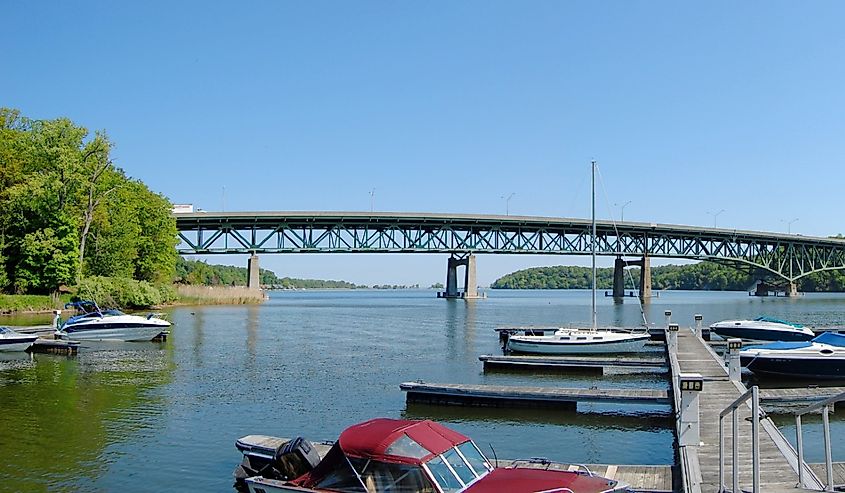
x: 371, y: 439
x: 526, y: 480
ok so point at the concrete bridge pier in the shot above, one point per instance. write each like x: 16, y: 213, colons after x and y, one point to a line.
x: 619, y: 277
x: 470, y: 283
x: 645, y: 278
x: 253, y: 277
x: 765, y: 289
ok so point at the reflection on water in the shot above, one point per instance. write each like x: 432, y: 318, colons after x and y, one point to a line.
x: 151, y: 416
x: 61, y: 414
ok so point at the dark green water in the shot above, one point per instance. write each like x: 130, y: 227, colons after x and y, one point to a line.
x: 158, y: 417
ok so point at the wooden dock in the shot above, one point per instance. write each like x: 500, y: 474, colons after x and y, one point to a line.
x: 838, y: 473
x: 518, y: 396
x: 54, y: 346
x: 700, y: 465
x: 581, y: 364
x: 797, y: 396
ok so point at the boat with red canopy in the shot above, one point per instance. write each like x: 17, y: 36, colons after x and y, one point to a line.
x: 399, y: 456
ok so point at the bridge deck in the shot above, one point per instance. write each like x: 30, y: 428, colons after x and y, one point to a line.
x: 776, y: 471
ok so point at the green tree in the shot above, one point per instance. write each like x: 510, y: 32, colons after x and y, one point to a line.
x: 156, y: 260
x: 59, y: 189
x: 48, y: 258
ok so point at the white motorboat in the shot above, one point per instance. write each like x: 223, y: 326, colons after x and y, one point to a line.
x: 14, y: 341
x: 762, y: 329
x: 591, y: 340
x: 821, y: 358
x: 93, y: 324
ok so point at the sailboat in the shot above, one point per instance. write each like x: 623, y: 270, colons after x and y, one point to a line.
x: 577, y: 340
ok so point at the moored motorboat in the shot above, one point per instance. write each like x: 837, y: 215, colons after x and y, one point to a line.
x: 821, y: 358
x: 403, y: 456
x: 762, y: 329
x: 93, y: 324
x: 14, y: 341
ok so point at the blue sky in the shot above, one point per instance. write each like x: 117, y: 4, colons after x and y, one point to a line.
x: 690, y: 108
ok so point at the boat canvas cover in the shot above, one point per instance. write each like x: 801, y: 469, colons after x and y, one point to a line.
x: 373, y: 440
x: 831, y: 338
x: 781, y: 346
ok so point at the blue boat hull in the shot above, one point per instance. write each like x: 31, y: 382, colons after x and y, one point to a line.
x: 760, y: 334
x: 818, y: 368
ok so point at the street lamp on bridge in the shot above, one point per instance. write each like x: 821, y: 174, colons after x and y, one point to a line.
x: 508, y: 202
x: 715, y: 215
x: 788, y: 225
x: 622, y: 213
x: 372, y: 198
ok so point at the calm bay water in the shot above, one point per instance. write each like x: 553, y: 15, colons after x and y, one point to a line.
x: 157, y: 416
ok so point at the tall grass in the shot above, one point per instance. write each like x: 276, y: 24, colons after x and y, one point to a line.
x: 10, y: 303
x: 219, y: 295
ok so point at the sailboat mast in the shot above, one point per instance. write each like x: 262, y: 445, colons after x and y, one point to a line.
x: 593, y: 245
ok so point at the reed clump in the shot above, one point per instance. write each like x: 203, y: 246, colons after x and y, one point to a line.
x: 219, y: 295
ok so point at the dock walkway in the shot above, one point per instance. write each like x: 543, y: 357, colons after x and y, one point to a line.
x: 778, y: 461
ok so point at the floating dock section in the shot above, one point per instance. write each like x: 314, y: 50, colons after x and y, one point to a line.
x: 582, y: 364
x: 54, y: 346
x: 513, y: 396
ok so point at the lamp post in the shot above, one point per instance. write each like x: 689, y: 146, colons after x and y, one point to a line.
x: 372, y: 198
x: 508, y: 202
x: 622, y: 214
x: 788, y: 225
x: 715, y: 215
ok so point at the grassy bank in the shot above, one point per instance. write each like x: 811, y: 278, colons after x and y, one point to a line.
x: 111, y: 293
x: 218, y: 295
x: 31, y: 303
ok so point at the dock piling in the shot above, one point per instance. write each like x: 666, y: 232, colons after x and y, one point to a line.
x: 734, y: 368
x: 689, y: 429
x: 672, y: 338
x: 698, y: 318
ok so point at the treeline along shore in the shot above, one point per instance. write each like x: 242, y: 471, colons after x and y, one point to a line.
x: 700, y: 276
x: 73, y: 224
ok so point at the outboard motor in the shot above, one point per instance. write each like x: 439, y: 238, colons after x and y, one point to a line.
x: 504, y: 335
x: 273, y: 458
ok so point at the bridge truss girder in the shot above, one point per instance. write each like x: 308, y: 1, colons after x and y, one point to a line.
x: 788, y: 257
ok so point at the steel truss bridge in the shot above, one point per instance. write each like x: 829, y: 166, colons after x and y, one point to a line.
x: 789, y: 257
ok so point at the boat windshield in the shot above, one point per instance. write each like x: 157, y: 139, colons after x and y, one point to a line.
x: 777, y: 321
x: 454, y: 469
x: 6, y: 330
x: 388, y: 476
